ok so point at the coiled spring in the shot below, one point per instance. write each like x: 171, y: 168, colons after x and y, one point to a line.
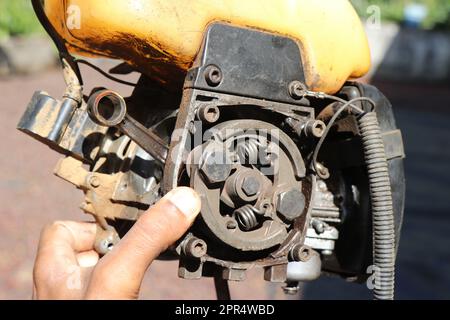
x: 247, y: 217
x: 248, y: 151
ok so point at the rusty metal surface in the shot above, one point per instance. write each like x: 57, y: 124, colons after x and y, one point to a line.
x: 49, y: 199
x: 32, y: 197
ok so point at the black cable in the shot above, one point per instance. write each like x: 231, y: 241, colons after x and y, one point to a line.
x: 105, y: 74
x: 346, y: 105
x: 58, y: 41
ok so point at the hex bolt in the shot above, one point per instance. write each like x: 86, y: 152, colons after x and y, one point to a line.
x: 213, y: 75
x: 194, y: 247
x: 314, y: 128
x: 300, y: 253
x: 290, y: 204
x: 215, y: 166
x: 244, y: 185
x: 250, y: 186
x: 208, y: 113
x: 297, y: 90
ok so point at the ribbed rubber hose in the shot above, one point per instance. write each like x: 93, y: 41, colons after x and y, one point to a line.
x: 382, y: 206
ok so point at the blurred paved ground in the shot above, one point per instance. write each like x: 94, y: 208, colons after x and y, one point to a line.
x: 31, y: 196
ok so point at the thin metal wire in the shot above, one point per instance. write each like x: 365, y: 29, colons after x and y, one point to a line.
x: 347, y: 104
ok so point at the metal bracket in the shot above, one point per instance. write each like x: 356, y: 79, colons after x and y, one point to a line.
x: 247, y: 62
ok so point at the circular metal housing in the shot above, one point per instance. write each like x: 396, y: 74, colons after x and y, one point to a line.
x: 107, y: 107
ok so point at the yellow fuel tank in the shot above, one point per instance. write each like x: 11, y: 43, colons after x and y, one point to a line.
x: 162, y: 37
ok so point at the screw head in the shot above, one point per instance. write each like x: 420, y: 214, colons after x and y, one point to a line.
x: 231, y: 225
x: 291, y: 204
x: 300, y: 253
x: 297, y: 90
x: 195, y: 247
x: 213, y: 75
x: 250, y: 186
x: 94, y: 181
x: 208, y: 113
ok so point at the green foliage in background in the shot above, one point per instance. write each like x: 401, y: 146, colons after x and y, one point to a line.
x: 392, y: 10
x: 17, y: 18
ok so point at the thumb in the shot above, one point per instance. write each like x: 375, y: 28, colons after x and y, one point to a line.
x: 119, y: 274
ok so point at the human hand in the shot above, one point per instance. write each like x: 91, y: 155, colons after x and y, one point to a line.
x: 67, y: 267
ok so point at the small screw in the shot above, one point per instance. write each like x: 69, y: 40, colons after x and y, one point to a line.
x: 297, y: 90
x: 94, y: 181
x: 315, y: 128
x: 208, y: 113
x: 195, y: 247
x: 231, y: 225
x: 300, y: 253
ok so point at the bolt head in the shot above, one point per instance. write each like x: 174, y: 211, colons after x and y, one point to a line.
x: 315, y: 128
x: 215, y: 167
x: 195, y: 248
x: 291, y: 204
x: 250, y: 186
x: 94, y: 181
x: 213, y: 75
x: 297, y: 89
x: 300, y: 253
x: 208, y: 113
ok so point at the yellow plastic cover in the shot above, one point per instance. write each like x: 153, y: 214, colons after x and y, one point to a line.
x: 162, y: 37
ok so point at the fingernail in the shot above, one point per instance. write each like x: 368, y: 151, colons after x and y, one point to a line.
x: 186, y: 200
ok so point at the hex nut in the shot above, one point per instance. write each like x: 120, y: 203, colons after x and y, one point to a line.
x: 250, y: 186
